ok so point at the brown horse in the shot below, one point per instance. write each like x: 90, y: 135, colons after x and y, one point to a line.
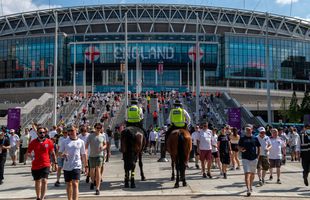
x: 179, y: 145
x: 132, y: 145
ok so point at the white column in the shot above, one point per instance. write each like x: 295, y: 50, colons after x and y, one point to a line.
x: 55, y: 69
x: 204, y: 79
x: 84, y: 77
x: 188, y: 77
x: 197, y: 71
x: 193, y: 77
x: 180, y: 77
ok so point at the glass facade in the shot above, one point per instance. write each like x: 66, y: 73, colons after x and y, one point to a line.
x: 165, y: 60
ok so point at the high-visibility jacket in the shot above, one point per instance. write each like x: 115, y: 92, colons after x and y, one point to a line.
x: 177, y: 117
x: 133, y: 114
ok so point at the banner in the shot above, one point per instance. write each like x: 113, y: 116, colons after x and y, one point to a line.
x: 13, y: 121
x: 234, y: 117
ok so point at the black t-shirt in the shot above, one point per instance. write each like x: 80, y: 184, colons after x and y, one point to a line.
x: 249, y: 144
x: 224, y: 143
x: 5, y: 141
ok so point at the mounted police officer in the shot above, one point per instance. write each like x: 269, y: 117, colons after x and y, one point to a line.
x: 135, y: 115
x: 303, y: 146
x: 178, y: 118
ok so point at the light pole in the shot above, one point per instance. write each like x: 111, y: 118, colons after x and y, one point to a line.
x: 268, y: 72
x: 55, y: 69
x: 197, y: 70
x: 126, y: 64
x: 74, y: 70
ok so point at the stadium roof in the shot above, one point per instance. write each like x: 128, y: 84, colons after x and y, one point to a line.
x: 152, y: 18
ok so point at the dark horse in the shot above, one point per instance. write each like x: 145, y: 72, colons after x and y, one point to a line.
x: 179, y: 145
x: 132, y: 145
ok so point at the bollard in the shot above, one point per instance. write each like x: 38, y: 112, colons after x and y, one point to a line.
x: 162, y: 151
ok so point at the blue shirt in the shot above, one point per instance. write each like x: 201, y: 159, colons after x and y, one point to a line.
x: 250, y: 144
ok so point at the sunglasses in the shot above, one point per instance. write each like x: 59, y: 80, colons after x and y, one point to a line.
x: 98, y: 127
x: 42, y: 132
x: 70, y: 130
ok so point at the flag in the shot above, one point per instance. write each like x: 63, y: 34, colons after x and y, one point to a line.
x: 16, y: 65
x: 42, y: 63
x: 160, y: 68
x: 33, y: 65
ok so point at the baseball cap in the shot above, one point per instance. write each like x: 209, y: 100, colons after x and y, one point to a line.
x: 12, y: 131
x: 261, y: 129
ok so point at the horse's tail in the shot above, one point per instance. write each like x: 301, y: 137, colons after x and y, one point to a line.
x: 181, y: 153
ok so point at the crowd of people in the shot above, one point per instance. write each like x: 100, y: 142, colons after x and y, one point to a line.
x: 81, y: 149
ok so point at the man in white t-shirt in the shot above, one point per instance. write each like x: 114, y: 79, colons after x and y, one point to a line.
x: 195, y: 136
x: 275, y: 155
x: 204, y: 144
x: 73, y: 151
x: 33, y: 134
x: 152, y: 141
x: 14, y: 142
x: 83, y: 136
x: 24, y: 140
x: 263, y: 161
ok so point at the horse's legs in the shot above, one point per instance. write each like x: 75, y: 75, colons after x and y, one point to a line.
x: 182, y: 174
x: 172, y: 168
x: 141, y: 167
x: 126, y: 178
x: 177, y: 166
x: 132, y: 178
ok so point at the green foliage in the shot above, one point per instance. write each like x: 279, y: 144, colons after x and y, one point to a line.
x: 294, y: 113
x: 305, y: 104
x: 283, y: 112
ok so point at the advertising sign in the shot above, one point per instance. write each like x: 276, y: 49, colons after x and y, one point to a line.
x: 234, y: 117
x: 13, y: 121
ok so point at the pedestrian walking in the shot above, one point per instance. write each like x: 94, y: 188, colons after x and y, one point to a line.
x: 40, y: 150
x: 96, y: 142
x: 234, y: 140
x: 303, y: 147
x: 24, y: 140
x: 14, y: 142
x: 223, y: 143
x: 73, y: 152
x: 249, y: 147
x: 62, y: 136
x: 4, y: 147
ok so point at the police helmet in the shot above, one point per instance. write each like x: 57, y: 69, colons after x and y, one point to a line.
x: 177, y: 103
x: 134, y: 101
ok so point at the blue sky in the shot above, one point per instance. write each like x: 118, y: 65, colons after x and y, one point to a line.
x: 300, y: 8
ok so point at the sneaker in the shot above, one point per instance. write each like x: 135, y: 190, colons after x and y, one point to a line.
x: 87, y: 179
x: 270, y: 178
x: 204, y: 175
x: 232, y: 168
x: 306, y: 181
x: 57, y: 184
x: 260, y: 183
x: 25, y: 163
x: 248, y: 193
x: 238, y: 168
x: 38, y: 198
x: 263, y: 181
x: 209, y: 175
x: 197, y: 166
x: 97, y: 192
x: 1, y: 182
x: 278, y: 181
x: 92, y: 186
x: 225, y: 176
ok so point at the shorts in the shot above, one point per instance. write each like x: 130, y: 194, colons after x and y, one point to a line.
x: 153, y: 143
x: 263, y: 163
x: 215, y: 154
x: 13, y: 151
x: 275, y: 163
x: 74, y: 174
x: 234, y: 147
x: 224, y: 158
x: 23, y: 151
x: 195, y: 149
x: 249, y: 166
x: 205, y: 155
x: 40, y: 173
x: 60, y: 162
x: 96, y: 161
x: 293, y: 148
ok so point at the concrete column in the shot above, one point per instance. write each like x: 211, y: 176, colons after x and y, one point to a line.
x: 261, y: 85
x: 156, y: 81
x: 26, y: 84
x: 244, y: 84
x: 227, y: 83
x: 292, y: 86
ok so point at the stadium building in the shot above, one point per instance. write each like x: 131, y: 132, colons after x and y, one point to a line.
x: 161, y: 41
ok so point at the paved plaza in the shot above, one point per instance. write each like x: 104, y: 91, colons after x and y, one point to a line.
x: 19, y: 185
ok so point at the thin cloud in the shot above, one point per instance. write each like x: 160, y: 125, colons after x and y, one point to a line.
x: 18, y: 6
x: 285, y: 2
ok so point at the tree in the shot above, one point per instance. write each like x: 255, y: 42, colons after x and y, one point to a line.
x: 305, y: 104
x: 283, y: 112
x: 294, y: 110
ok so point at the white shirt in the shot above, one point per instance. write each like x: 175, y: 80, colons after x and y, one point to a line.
x: 60, y: 141
x: 214, y: 141
x: 195, y: 136
x: 13, y: 140
x: 83, y: 137
x: 24, y: 139
x: 293, y: 139
x: 264, y: 142
x: 205, y: 140
x: 153, y: 136
x: 33, y: 134
x: 74, y: 149
x: 276, y: 149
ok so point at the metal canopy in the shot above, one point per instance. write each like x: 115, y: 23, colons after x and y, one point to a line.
x: 152, y: 19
